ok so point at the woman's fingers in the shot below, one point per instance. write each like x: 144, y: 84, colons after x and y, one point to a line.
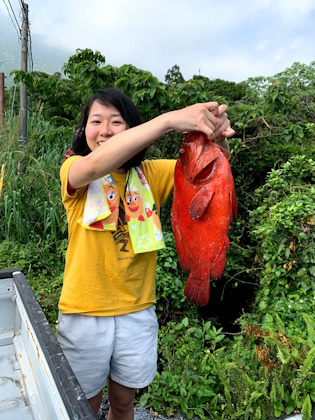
x: 208, y: 117
x: 229, y: 132
x: 220, y: 110
x: 220, y: 126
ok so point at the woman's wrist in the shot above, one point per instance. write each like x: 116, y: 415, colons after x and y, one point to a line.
x: 223, y: 143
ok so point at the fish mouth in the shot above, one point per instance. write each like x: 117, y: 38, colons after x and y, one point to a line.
x: 205, y: 173
x: 134, y: 209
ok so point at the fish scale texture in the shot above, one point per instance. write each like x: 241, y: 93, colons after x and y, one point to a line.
x: 204, y: 203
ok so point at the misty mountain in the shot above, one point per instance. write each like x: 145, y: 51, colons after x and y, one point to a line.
x: 47, y: 59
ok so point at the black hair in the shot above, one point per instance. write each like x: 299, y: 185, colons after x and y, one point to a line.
x: 128, y: 110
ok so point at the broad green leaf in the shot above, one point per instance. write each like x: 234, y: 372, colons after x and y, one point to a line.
x: 301, y: 272
x: 312, y: 270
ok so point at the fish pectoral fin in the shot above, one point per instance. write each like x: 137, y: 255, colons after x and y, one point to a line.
x: 200, y: 202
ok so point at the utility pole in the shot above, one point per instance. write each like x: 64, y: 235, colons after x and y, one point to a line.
x: 23, y: 90
x: 2, y: 87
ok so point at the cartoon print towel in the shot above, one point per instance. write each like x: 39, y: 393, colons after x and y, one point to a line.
x: 101, y: 210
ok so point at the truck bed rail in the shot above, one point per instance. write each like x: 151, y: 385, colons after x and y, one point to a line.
x: 36, y: 380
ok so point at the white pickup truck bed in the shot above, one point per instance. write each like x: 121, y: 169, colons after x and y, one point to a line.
x: 36, y: 381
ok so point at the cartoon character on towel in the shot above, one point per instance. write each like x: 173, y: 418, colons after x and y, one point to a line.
x: 112, y: 196
x: 133, y: 204
x: 143, y: 181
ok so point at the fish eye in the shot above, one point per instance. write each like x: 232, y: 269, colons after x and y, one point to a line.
x: 129, y: 199
x: 135, y: 198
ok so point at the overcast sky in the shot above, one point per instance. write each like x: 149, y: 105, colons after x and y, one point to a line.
x: 232, y: 39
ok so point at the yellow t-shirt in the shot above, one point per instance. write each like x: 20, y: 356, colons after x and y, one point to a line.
x: 103, y: 276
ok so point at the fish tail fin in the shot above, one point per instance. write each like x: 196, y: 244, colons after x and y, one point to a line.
x: 197, y: 289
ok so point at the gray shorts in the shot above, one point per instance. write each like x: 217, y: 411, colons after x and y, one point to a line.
x: 123, y: 347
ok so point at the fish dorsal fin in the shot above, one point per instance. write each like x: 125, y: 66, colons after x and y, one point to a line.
x: 200, y: 202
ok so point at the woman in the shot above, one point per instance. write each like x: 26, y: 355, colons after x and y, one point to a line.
x: 107, y: 323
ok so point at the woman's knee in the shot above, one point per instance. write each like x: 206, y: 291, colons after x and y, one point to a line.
x: 120, y: 397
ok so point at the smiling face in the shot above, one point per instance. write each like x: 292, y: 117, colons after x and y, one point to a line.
x: 134, y: 208
x: 103, y: 123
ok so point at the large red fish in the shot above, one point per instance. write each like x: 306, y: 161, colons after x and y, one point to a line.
x: 204, y: 203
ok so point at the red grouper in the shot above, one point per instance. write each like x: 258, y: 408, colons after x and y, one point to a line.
x: 204, y: 203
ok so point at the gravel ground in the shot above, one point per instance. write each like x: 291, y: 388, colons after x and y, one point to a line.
x: 141, y: 413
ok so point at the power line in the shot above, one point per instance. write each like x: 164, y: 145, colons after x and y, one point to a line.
x: 14, y: 15
x: 18, y: 29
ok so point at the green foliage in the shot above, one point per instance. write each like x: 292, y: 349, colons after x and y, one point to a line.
x: 230, y: 91
x: 33, y: 230
x: 85, y: 73
x: 55, y: 95
x: 174, y: 75
x: 85, y: 70
x: 144, y: 89
x: 31, y: 207
x: 283, y: 226
x: 266, y: 371
x: 170, y: 282
x: 278, y: 99
x: 185, y: 381
x: 299, y: 77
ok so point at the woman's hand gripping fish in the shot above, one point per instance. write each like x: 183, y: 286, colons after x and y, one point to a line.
x: 204, y: 203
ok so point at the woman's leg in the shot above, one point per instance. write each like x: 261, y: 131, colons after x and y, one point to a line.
x: 121, y: 401
x: 95, y: 402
